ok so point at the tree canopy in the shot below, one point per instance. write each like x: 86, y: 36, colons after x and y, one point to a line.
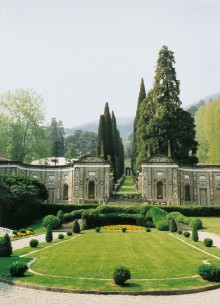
x: 22, y: 133
x: 161, y: 118
x: 20, y: 199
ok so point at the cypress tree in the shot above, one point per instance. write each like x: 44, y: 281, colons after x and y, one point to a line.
x: 49, y: 234
x: 109, y: 149
x: 195, y: 236
x: 141, y: 97
x: 101, y: 137
x: 76, y: 227
x: 5, y: 246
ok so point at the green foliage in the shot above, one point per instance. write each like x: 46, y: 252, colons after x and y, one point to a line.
x: 97, y: 229
x: 159, y: 217
x: 209, y: 272
x: 123, y: 229
x: 121, y: 274
x: 18, y: 268
x: 33, y: 243
x: 148, y: 230
x: 76, y: 227
x: 49, y: 234
x: 195, y: 236
x: 61, y: 236
x: 51, y: 220
x: 23, y: 136
x: 57, y: 138
x: 207, y: 132
x: 5, y: 246
x: 52, y: 209
x: 180, y: 218
x: 186, y: 234
x: 77, y: 214
x: 162, y: 119
x: 69, y: 233
x: 80, y: 142
x: 60, y: 216
x: 22, y: 196
x: 172, y: 225
x: 208, y: 242
x: 179, y: 232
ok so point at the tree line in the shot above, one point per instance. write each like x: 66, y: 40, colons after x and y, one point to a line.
x: 109, y: 143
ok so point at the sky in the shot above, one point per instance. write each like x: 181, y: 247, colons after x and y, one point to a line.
x: 80, y: 54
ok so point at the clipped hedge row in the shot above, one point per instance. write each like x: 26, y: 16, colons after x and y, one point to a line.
x: 159, y: 217
x: 134, y: 209
x: 77, y: 214
x: 92, y: 218
x: 52, y: 209
x: 195, y: 211
x: 179, y: 218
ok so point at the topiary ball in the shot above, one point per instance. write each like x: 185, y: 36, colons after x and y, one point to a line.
x: 121, y: 274
x: 148, y: 230
x: 18, y: 268
x: 69, y: 233
x: 60, y: 236
x: 123, y: 230
x: 208, y: 242
x: 33, y: 243
x: 97, y: 229
x: 186, y: 234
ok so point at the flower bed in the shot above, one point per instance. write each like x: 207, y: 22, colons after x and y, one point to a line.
x: 23, y: 233
x: 120, y: 226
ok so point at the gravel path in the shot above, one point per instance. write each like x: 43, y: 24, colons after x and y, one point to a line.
x: 19, y: 296
x: 13, y: 295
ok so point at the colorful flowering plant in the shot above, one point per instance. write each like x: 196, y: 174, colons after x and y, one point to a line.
x: 121, y: 226
x: 23, y: 233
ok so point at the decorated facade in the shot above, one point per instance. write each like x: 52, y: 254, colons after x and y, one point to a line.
x: 162, y: 181
x: 88, y: 179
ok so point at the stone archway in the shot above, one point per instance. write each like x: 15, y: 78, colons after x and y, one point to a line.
x: 159, y: 190
x: 91, y: 190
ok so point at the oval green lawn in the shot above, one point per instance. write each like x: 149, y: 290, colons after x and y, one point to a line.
x: 147, y: 255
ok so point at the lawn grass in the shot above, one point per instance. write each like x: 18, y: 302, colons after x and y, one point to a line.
x: 211, y: 224
x: 157, y: 261
x: 128, y: 186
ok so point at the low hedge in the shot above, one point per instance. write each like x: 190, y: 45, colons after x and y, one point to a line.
x: 52, y: 209
x: 180, y: 218
x: 194, y: 210
x: 209, y: 272
x: 76, y: 214
x: 159, y: 218
x: 93, y: 218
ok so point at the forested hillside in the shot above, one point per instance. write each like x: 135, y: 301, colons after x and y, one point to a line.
x: 207, y: 120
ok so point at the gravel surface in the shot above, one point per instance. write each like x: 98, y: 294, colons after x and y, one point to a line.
x: 15, y: 295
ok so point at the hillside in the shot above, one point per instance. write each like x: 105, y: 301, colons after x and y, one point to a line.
x: 125, y: 126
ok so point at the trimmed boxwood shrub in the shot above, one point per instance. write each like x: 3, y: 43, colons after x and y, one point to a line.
x: 179, y: 232
x: 172, y: 225
x: 69, y: 233
x: 61, y: 236
x: 76, y: 227
x: 123, y: 230
x: 208, y: 242
x: 51, y: 220
x: 148, y: 230
x: 33, y: 243
x: 195, y: 236
x: 18, y: 268
x: 163, y: 225
x: 209, y: 272
x: 5, y: 246
x: 52, y: 209
x: 60, y: 216
x: 97, y: 229
x: 186, y: 234
x: 49, y: 234
x: 121, y: 274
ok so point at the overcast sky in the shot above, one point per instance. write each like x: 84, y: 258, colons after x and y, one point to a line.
x: 79, y: 54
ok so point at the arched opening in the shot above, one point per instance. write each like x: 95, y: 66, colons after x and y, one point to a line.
x: 159, y: 190
x: 65, y: 192
x: 128, y: 171
x: 91, y: 190
x: 187, y: 193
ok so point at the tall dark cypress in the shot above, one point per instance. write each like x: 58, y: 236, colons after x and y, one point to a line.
x: 101, y: 137
x: 141, y: 97
x: 108, y: 145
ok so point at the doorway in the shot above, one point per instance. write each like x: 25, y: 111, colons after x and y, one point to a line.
x: 159, y: 190
x: 91, y: 191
